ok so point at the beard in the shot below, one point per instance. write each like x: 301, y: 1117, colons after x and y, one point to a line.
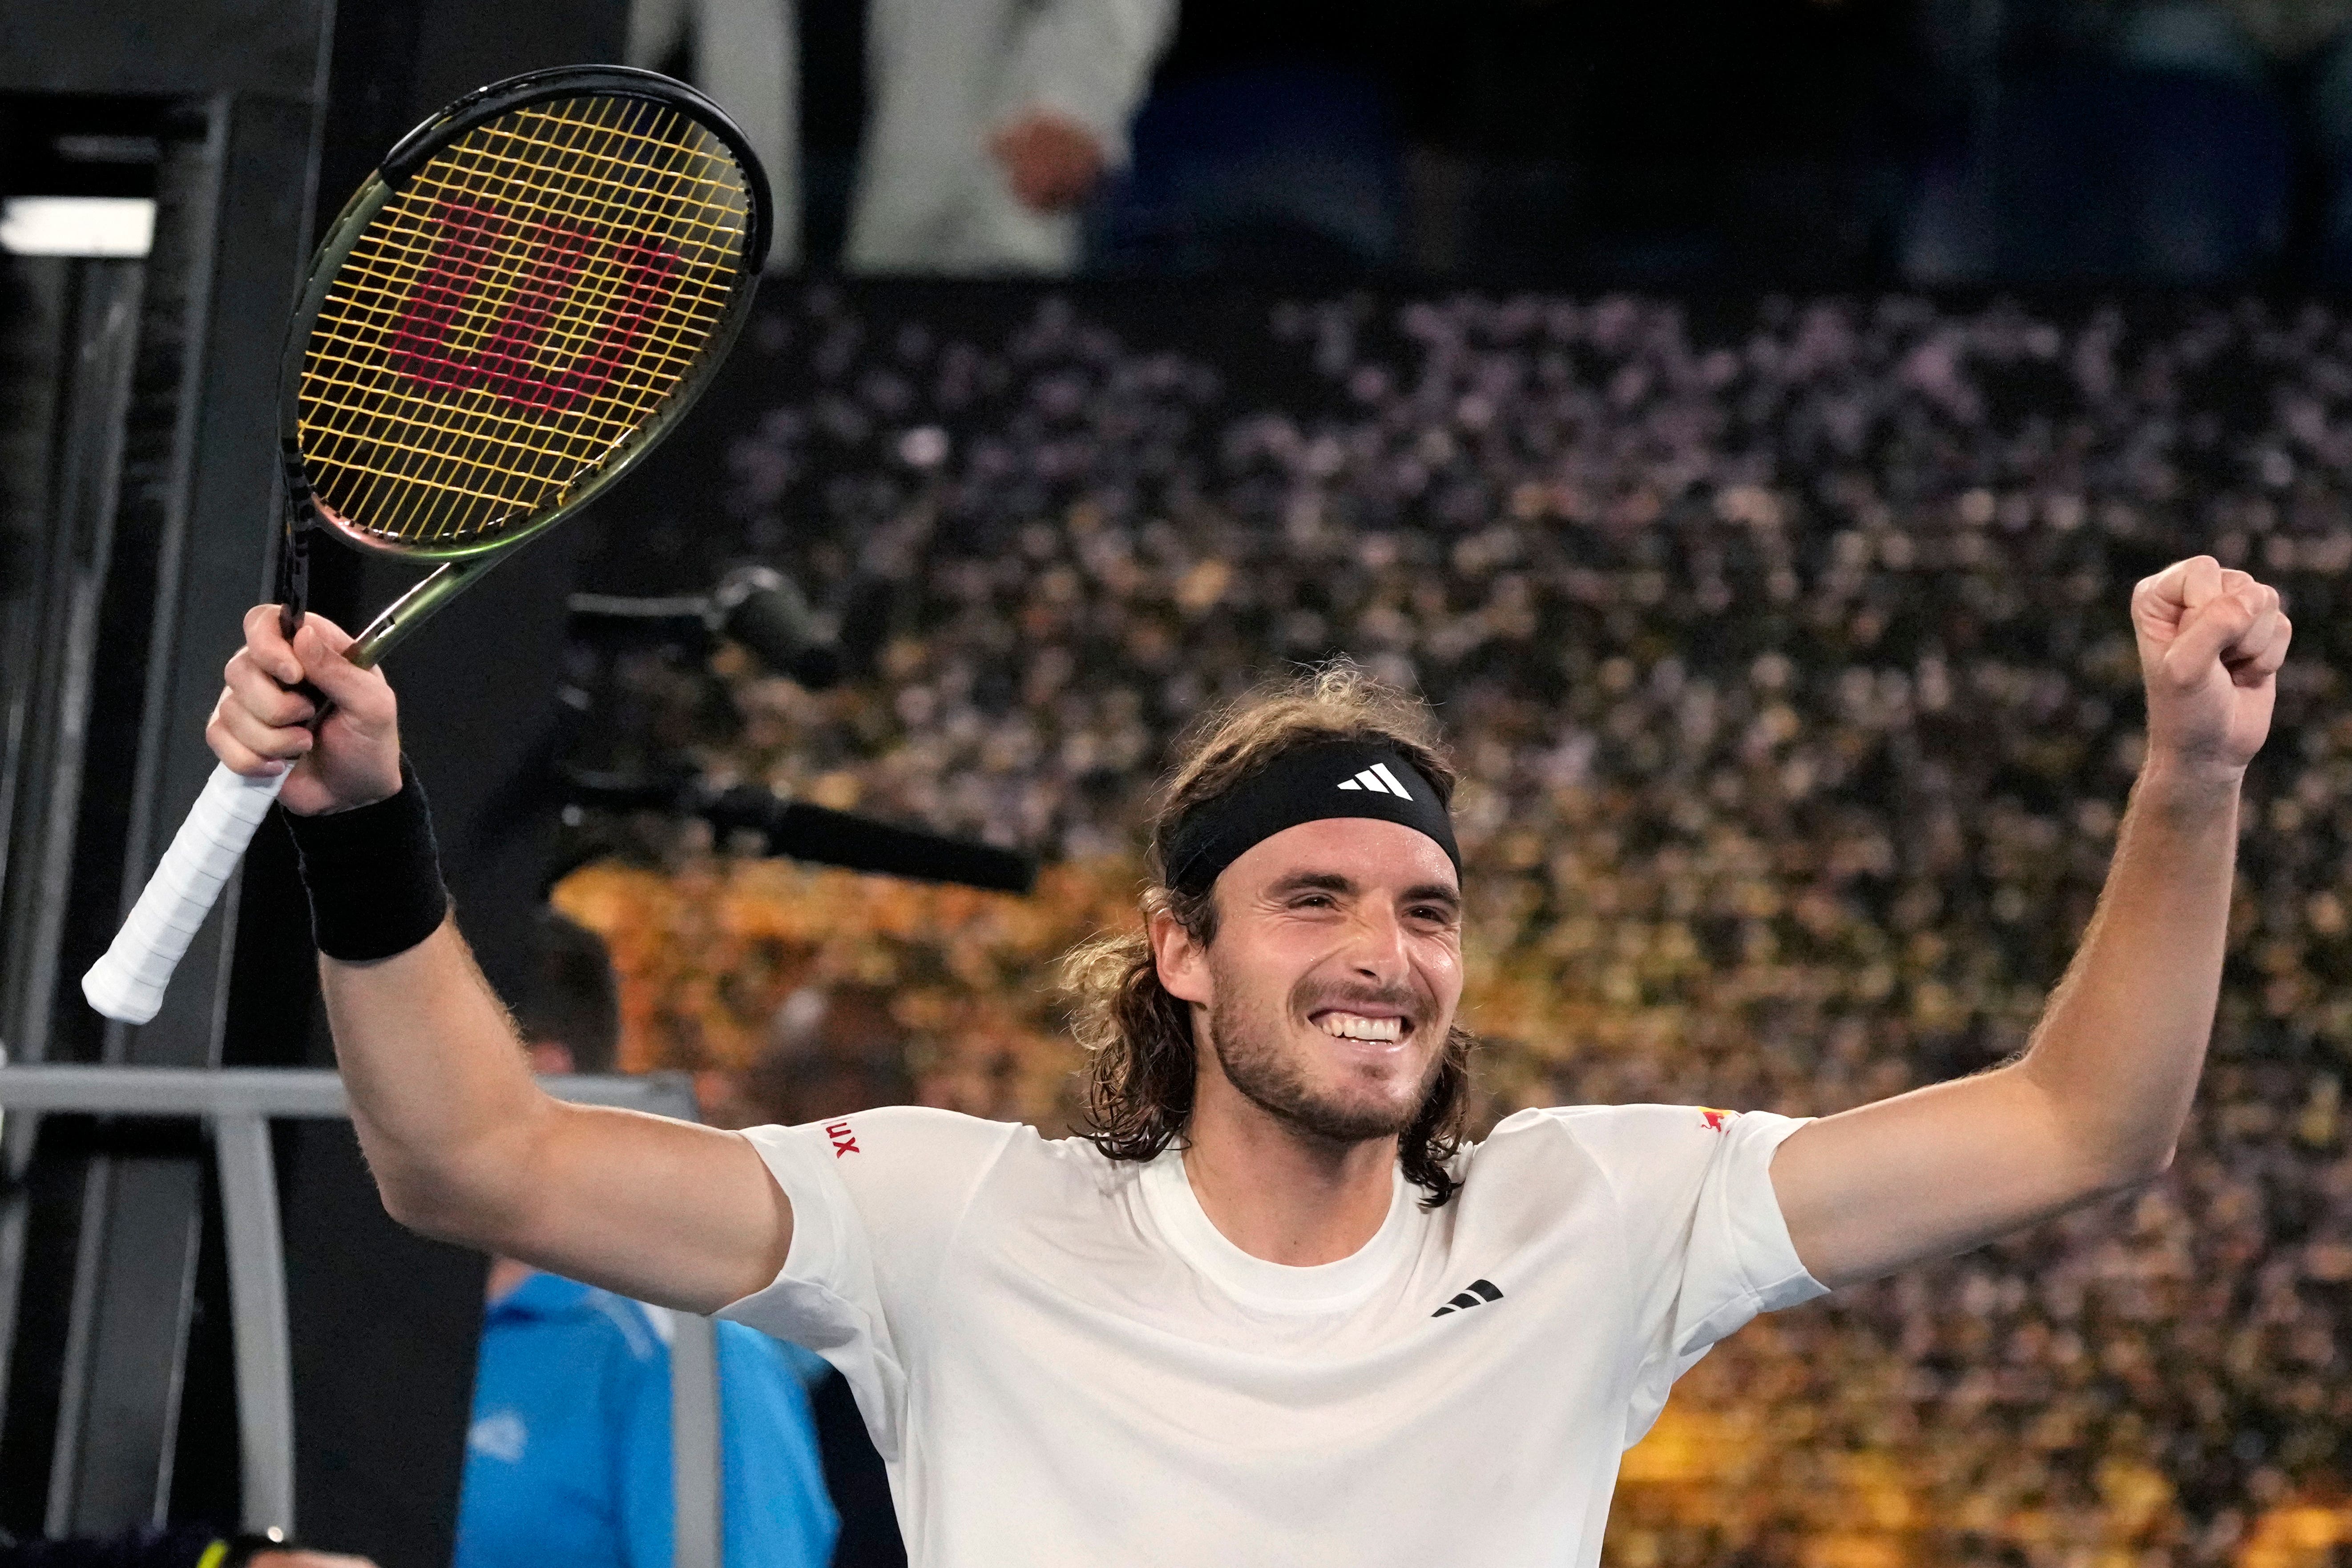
x: 1275, y: 1077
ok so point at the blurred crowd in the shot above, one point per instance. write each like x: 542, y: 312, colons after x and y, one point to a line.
x: 1785, y: 650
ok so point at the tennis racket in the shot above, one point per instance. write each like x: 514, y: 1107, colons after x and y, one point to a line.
x: 512, y: 311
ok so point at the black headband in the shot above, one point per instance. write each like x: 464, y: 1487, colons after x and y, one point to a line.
x: 1338, y: 778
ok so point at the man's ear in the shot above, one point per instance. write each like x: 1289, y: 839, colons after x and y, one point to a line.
x: 1182, y: 962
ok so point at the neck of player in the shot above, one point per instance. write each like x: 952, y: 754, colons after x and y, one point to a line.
x: 1278, y: 1193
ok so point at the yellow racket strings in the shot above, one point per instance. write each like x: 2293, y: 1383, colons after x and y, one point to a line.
x: 515, y: 314
x: 536, y: 446
x: 458, y: 241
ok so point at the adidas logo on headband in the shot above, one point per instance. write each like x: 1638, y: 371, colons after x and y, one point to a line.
x: 1379, y: 780
x: 1297, y: 787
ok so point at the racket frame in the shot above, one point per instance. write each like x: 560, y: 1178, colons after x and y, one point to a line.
x: 461, y: 564
x: 130, y: 981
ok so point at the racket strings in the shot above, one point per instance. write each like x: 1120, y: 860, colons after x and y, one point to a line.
x: 442, y: 445
x: 539, y: 188
x: 516, y: 314
x: 593, y: 296
x: 498, y: 167
x: 722, y: 231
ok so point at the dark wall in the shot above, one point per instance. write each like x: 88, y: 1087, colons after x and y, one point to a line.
x: 397, y: 58
x: 396, y: 63
x: 222, y: 46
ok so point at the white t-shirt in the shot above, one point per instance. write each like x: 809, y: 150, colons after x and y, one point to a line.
x: 1064, y: 1361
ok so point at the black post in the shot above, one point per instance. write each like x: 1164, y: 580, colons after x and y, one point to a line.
x: 194, y: 523
x: 154, y: 478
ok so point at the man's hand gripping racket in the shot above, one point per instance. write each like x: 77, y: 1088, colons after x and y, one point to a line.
x: 272, y: 729
x: 511, y: 312
x: 265, y: 727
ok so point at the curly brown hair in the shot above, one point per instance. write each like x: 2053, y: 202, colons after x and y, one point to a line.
x: 1139, y: 1077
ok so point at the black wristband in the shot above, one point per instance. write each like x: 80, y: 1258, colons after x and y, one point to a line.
x: 373, y: 875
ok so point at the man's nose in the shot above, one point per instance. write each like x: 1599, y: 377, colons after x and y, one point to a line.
x: 1375, y: 946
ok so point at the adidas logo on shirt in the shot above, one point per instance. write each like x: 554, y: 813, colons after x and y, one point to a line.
x: 1481, y: 1291
x: 1379, y: 780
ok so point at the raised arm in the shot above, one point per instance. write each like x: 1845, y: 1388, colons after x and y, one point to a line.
x: 2096, y: 1102
x: 463, y: 1143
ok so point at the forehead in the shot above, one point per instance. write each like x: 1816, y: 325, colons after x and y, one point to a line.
x: 1371, y: 853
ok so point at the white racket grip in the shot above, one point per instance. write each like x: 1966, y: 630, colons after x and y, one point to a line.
x: 127, y: 983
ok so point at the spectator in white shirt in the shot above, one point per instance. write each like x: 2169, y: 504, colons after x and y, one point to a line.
x: 989, y: 123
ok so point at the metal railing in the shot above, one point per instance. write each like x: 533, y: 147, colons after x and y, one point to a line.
x: 239, y: 1105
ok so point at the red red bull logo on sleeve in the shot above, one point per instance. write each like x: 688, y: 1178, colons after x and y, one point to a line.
x: 1716, y: 1120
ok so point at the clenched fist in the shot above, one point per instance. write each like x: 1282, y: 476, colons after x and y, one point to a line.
x: 262, y: 725
x: 2210, y: 643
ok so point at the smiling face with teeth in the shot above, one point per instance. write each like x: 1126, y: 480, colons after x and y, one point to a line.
x: 1330, y: 981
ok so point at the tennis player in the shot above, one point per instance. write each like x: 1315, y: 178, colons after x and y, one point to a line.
x: 1277, y: 1311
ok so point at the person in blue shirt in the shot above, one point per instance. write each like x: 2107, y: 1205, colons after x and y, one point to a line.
x: 568, y: 1455
x: 568, y: 1458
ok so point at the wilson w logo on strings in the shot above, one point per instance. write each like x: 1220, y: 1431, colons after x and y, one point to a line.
x: 540, y: 265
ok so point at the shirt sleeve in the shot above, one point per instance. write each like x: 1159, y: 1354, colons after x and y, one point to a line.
x: 1707, y: 1247
x: 875, y: 1198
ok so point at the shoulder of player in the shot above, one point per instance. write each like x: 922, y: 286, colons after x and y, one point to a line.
x: 916, y: 1166
x: 898, y: 1135
x: 1642, y: 1117
x: 895, y: 1127
x: 1607, y: 1134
